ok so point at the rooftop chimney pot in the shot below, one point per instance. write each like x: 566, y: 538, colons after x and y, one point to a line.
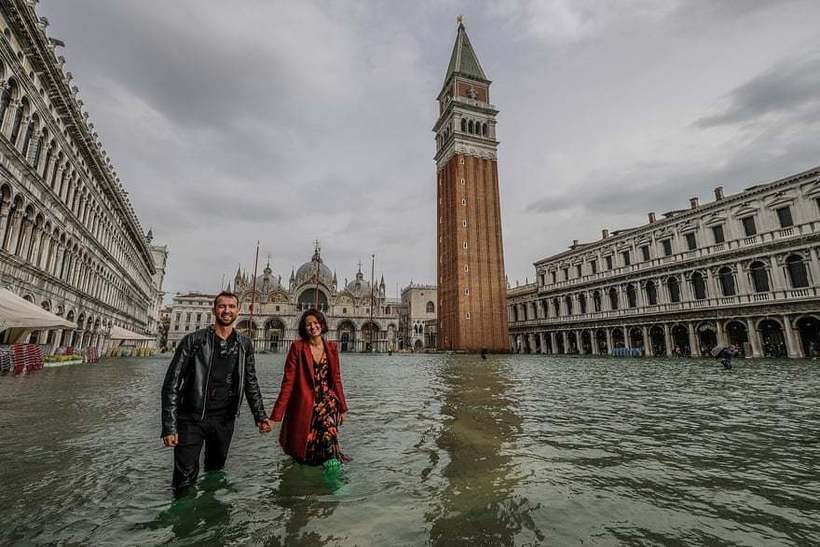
x: 719, y: 193
x: 693, y: 202
x: 604, y: 233
x: 652, y: 217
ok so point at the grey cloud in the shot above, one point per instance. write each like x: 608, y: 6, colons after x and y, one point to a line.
x: 791, y: 86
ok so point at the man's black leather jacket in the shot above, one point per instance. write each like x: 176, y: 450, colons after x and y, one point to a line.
x: 186, y: 381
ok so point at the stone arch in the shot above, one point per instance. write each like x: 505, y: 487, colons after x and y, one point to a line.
x: 651, y: 292
x: 631, y: 295
x: 797, y: 271
x: 698, y: 285
x: 600, y: 339
x: 431, y: 307
x: 726, y: 278
x: 758, y: 272
x: 808, y: 332
x: 680, y: 340
x: 636, y: 338
x: 673, y: 287
x: 17, y: 123
x: 772, y: 338
x: 613, y: 298
x: 274, y: 334
x: 657, y: 340
x: 346, y: 335
x: 737, y: 334
x: 706, y: 333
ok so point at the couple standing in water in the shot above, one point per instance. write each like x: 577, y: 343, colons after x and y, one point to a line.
x: 214, y: 368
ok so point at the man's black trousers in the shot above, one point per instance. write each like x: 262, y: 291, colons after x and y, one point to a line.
x: 214, y: 432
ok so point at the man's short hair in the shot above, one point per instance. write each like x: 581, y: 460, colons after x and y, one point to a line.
x: 226, y: 294
x: 320, y: 317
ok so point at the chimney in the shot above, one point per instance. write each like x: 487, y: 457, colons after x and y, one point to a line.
x: 719, y: 193
x: 693, y: 202
x: 574, y: 243
x: 652, y: 217
x: 604, y: 233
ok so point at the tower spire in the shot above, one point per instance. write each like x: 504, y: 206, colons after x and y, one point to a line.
x: 463, y: 60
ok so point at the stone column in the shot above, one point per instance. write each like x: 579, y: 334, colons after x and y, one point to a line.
x: 814, y: 266
x: 627, y: 343
x: 779, y: 281
x: 609, y: 340
x: 667, y: 338
x: 579, y: 340
x: 553, y: 343
x: 14, y: 231
x: 542, y: 339
x: 792, y: 346
x: 565, y: 339
x: 647, y: 343
x: 721, y: 333
x: 4, y: 220
x: 594, y: 342
x: 531, y: 338
x: 742, y: 280
x: 754, y: 339
x: 693, y: 341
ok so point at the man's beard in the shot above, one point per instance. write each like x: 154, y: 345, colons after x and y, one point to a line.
x: 223, y: 322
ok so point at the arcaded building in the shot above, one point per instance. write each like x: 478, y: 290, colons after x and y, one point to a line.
x: 418, y: 308
x: 70, y: 240
x: 743, y: 269
x: 472, y: 314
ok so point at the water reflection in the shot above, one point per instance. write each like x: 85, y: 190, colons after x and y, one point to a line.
x: 478, y: 505
x: 305, y: 496
x: 200, y: 505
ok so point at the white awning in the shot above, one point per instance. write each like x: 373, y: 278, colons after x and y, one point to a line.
x: 119, y: 333
x: 16, y: 312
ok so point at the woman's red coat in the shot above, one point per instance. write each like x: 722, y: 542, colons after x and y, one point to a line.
x: 294, y: 406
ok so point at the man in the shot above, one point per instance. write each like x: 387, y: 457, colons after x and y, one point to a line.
x: 725, y: 354
x: 202, y: 393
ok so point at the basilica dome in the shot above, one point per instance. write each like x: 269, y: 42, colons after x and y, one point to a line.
x: 307, y: 271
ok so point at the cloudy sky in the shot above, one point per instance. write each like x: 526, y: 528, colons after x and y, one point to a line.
x: 284, y: 122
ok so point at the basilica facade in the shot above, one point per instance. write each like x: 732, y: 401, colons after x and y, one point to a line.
x: 360, y: 316
x: 70, y: 240
x: 743, y: 269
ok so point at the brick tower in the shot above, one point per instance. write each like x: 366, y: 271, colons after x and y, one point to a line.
x: 472, y: 310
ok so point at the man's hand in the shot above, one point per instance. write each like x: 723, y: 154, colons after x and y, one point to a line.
x: 265, y: 426
x: 170, y: 440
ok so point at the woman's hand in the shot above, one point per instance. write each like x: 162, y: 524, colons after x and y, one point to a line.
x: 344, y: 418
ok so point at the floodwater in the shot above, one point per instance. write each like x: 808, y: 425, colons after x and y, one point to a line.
x: 447, y: 450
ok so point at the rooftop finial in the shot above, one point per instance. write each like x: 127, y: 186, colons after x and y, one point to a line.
x: 460, y: 20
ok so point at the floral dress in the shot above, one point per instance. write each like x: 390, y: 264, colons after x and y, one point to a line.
x: 323, y: 437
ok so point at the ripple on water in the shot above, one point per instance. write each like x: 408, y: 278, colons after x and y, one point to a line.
x: 446, y: 450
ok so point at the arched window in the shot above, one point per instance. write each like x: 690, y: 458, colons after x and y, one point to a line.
x: 484, y: 129
x: 582, y: 302
x: 674, y: 289
x: 727, y: 281
x: 698, y: 286
x: 651, y: 293
x: 568, y: 302
x: 631, y: 296
x: 431, y: 308
x: 35, y: 121
x: 596, y: 301
x: 463, y: 125
x: 613, y: 298
x: 556, y: 306
x: 760, y: 279
x: 22, y: 111
x: 5, y: 100
x: 797, y: 271
x: 470, y: 127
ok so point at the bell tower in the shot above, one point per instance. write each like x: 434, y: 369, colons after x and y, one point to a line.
x: 472, y: 309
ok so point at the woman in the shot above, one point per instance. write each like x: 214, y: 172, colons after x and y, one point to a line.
x: 311, y: 403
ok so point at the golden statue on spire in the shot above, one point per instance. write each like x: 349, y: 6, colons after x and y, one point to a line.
x: 460, y: 19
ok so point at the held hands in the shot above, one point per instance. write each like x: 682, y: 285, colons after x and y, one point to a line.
x: 265, y: 426
x: 170, y: 440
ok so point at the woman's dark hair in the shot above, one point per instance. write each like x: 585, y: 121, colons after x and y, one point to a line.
x: 320, y: 317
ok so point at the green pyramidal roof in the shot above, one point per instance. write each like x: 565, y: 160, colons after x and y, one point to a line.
x: 464, y: 60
